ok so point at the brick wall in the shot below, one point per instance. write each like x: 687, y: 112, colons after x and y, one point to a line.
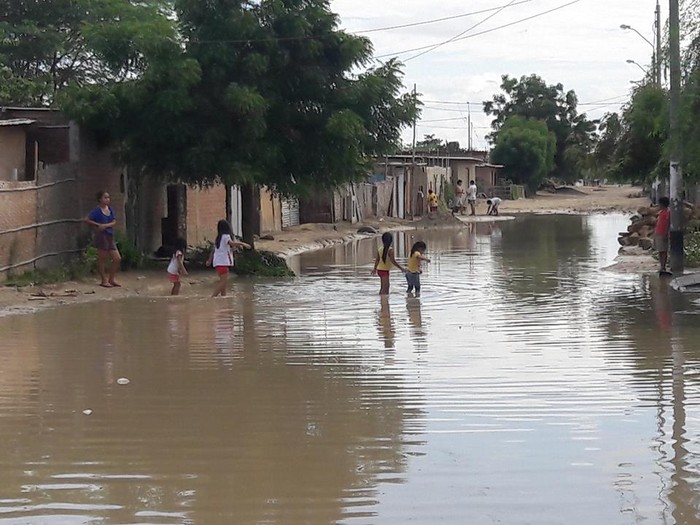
x: 205, y: 207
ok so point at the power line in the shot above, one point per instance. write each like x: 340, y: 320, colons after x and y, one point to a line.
x: 484, y: 31
x: 362, y: 31
x: 462, y: 33
x: 444, y: 19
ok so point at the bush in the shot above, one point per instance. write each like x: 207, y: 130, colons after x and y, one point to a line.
x: 261, y: 264
x: 692, y: 249
x: 131, y: 257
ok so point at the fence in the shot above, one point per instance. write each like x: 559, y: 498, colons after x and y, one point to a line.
x: 39, y: 220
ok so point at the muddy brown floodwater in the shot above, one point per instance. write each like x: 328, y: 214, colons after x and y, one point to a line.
x: 525, y: 386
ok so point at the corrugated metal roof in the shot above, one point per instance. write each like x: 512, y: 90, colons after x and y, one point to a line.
x: 17, y: 122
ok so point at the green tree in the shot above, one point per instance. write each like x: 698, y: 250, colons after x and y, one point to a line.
x: 526, y: 148
x: 430, y: 143
x: 262, y: 93
x: 531, y: 98
x: 641, y: 147
x: 605, y: 158
x: 44, y: 46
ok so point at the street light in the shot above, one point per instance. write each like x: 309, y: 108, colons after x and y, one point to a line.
x: 629, y: 61
x: 656, y: 53
x: 626, y: 27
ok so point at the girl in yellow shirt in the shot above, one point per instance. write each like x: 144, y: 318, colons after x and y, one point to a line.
x: 384, y: 261
x: 414, y: 266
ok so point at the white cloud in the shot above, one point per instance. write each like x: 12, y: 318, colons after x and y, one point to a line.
x: 580, y: 46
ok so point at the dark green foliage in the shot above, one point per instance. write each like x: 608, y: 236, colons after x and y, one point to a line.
x: 131, y: 257
x: 527, y: 149
x: 531, y: 98
x: 261, y: 264
x: 44, y: 46
x: 259, y: 93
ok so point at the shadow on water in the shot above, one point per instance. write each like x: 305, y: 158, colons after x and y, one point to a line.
x: 526, y: 384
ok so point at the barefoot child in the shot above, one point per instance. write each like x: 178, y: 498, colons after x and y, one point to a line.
x: 414, y: 267
x: 384, y: 261
x: 222, y: 256
x: 176, y: 268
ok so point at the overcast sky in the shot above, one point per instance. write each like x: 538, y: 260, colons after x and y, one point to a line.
x: 580, y: 45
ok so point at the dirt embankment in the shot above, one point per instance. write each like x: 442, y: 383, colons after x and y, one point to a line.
x: 310, y: 237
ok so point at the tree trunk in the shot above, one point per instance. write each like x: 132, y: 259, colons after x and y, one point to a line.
x: 250, y: 208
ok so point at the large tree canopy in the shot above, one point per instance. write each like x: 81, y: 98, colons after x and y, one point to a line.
x: 261, y: 92
x: 531, y: 98
x: 44, y: 46
x: 526, y: 148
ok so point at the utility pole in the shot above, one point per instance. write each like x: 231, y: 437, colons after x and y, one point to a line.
x: 415, y: 106
x: 657, y: 62
x: 469, y: 126
x: 676, y: 239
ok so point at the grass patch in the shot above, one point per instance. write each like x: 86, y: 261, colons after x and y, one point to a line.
x: 48, y: 276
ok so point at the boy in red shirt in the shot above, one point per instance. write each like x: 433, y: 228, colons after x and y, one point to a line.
x: 663, y: 227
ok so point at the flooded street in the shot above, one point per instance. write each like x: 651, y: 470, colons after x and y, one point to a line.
x: 526, y: 385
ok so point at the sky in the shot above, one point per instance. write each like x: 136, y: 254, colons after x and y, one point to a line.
x: 580, y: 45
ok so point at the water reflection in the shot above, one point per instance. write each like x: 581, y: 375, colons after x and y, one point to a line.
x: 524, y: 385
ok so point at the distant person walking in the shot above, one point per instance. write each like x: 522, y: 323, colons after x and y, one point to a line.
x: 471, y: 197
x: 384, y: 261
x: 221, y: 256
x: 413, y: 268
x: 661, y: 233
x: 493, y: 203
x: 103, y: 219
x: 176, y: 268
x: 460, y: 203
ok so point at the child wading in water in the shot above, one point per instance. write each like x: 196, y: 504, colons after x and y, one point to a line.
x: 222, y: 256
x: 414, y: 267
x: 384, y: 261
x: 176, y: 268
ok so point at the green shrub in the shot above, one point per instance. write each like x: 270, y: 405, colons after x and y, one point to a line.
x: 131, y: 257
x: 692, y: 249
x: 197, y: 257
x: 261, y: 264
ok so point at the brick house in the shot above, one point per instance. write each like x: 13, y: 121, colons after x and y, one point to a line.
x: 50, y: 170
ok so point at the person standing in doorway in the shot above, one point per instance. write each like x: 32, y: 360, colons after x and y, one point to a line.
x: 471, y: 197
x: 661, y: 233
x: 103, y: 219
x: 460, y: 199
x: 221, y: 256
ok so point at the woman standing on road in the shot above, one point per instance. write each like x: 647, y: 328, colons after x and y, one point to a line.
x: 103, y: 219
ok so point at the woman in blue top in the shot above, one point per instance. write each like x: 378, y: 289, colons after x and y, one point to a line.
x: 102, y: 218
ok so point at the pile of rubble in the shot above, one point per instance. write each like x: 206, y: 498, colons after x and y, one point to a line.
x: 641, y: 231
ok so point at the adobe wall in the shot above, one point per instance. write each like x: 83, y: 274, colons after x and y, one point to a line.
x: 205, y: 207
